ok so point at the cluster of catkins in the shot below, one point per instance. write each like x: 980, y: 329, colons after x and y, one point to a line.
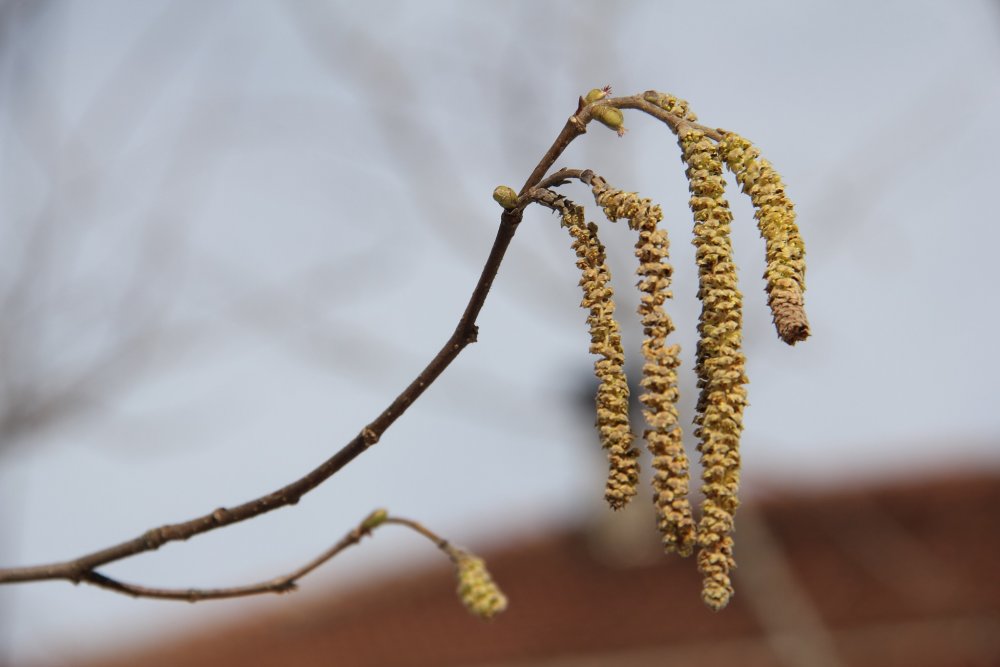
x: 720, y: 363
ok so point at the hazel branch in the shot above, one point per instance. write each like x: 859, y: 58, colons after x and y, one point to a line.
x: 720, y: 364
x: 465, y: 333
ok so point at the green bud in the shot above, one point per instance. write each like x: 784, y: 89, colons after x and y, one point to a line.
x: 375, y: 519
x: 597, y: 94
x: 612, y: 118
x: 505, y: 196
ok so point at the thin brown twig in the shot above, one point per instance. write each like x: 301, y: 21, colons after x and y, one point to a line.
x: 285, y: 583
x: 466, y: 331
x: 281, y: 584
x: 441, y: 543
x: 674, y: 122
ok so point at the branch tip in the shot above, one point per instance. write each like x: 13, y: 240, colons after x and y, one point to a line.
x: 375, y: 519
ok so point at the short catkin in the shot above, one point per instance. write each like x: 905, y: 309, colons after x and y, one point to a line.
x: 476, y: 588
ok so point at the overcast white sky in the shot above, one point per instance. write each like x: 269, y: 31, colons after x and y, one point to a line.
x: 295, y: 197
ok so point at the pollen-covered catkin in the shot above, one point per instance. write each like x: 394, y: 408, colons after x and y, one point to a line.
x: 476, y: 588
x: 670, y: 104
x: 605, y: 340
x: 786, y: 269
x: 671, y: 480
x: 720, y: 365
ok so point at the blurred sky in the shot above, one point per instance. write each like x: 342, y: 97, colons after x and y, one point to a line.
x: 233, y: 231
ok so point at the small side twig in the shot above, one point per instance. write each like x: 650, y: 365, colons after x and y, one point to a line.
x: 476, y: 587
x: 675, y: 122
x: 284, y: 583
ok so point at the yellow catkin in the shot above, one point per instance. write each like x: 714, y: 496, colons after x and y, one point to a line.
x: 671, y: 480
x: 476, y: 588
x: 605, y: 340
x: 670, y: 104
x: 786, y: 269
x: 720, y: 366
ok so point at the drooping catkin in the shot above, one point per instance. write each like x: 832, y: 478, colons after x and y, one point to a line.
x: 786, y: 269
x: 605, y: 340
x: 663, y: 436
x: 476, y: 588
x: 720, y: 365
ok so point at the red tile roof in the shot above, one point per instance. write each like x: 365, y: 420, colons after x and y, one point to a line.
x: 908, y: 575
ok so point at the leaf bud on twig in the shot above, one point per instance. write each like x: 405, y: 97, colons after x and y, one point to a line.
x: 505, y: 196
x: 611, y: 117
x: 375, y: 519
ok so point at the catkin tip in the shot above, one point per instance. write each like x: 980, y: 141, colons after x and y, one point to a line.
x: 715, y: 562
x: 789, y: 313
